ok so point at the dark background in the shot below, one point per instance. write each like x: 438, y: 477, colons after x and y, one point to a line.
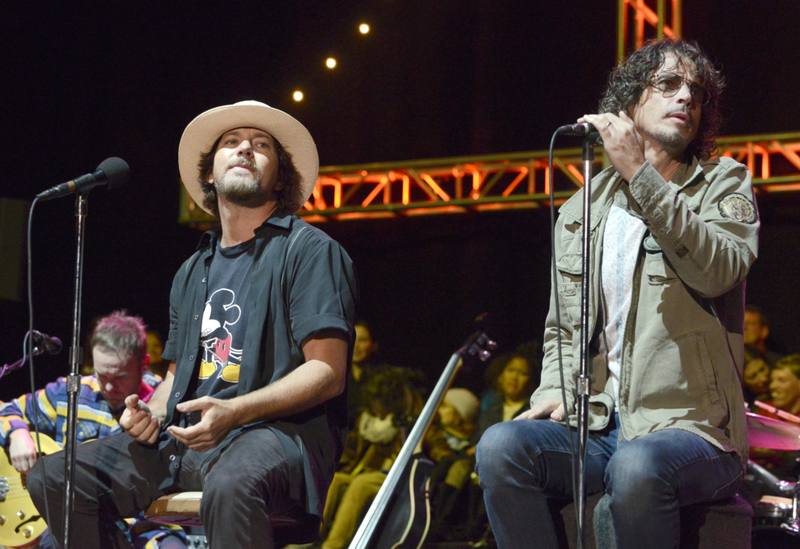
x: 83, y: 81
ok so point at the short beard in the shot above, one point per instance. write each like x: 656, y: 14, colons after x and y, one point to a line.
x: 243, y: 190
x: 673, y: 144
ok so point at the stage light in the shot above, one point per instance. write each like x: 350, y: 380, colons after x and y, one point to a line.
x: 363, y: 28
x: 297, y: 96
x: 330, y: 62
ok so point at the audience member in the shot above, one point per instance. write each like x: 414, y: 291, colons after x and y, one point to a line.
x: 784, y: 386
x: 756, y: 377
x: 458, y: 510
x: 514, y: 385
x: 390, y: 409
x: 784, y: 390
x: 756, y: 332
x: 531, y: 352
x: 365, y: 355
x: 457, y: 414
x: 155, y: 347
x: 119, y: 355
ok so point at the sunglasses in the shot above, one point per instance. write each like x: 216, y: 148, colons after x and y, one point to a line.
x: 670, y: 84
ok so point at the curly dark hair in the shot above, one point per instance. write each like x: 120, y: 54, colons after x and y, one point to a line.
x: 387, y: 386
x: 289, y: 196
x: 629, y: 79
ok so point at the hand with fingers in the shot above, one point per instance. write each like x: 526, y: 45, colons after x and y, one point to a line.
x: 22, y: 450
x: 551, y: 408
x: 139, y: 422
x: 218, y: 417
x: 623, y: 143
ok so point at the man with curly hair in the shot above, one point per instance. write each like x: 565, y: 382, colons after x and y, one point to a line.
x: 673, y: 235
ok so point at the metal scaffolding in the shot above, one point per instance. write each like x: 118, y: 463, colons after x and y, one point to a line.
x: 497, y: 182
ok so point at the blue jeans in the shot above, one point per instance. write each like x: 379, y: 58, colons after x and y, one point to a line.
x: 523, y: 463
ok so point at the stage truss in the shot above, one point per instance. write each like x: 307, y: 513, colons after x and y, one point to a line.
x: 497, y: 182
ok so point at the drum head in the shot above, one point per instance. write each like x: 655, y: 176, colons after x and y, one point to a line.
x: 769, y: 514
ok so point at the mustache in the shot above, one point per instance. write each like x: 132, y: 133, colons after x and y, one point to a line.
x: 241, y: 161
x: 681, y: 110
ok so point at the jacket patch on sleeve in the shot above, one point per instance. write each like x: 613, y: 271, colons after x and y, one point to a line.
x: 738, y: 207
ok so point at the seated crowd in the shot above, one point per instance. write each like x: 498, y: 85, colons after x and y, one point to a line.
x: 771, y: 386
x: 385, y: 402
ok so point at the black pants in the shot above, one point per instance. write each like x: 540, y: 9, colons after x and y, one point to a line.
x: 244, y: 481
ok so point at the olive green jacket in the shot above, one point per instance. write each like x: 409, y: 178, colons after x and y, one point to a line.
x: 683, y: 351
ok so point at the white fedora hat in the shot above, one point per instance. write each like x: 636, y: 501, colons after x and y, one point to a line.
x: 203, y: 131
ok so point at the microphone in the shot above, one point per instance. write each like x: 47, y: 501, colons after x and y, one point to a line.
x: 43, y: 342
x: 111, y: 171
x: 577, y: 129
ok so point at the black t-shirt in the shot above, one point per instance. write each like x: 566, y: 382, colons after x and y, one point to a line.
x: 225, y: 321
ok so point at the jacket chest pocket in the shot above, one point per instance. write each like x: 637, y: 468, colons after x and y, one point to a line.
x: 570, y: 269
x: 86, y: 432
x: 656, y: 268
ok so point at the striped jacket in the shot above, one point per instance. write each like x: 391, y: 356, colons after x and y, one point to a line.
x: 96, y: 419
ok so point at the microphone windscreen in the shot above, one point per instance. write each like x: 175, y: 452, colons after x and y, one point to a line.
x: 116, y: 170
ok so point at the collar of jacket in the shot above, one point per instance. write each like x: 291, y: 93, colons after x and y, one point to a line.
x: 280, y: 219
x: 608, y: 181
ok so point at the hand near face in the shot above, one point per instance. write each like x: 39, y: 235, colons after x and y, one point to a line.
x: 138, y: 422
x: 623, y: 143
x: 217, y: 419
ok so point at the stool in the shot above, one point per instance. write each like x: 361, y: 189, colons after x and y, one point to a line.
x: 183, y: 509
x: 725, y: 523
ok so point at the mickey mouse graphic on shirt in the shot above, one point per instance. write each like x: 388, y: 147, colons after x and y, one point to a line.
x: 220, y: 318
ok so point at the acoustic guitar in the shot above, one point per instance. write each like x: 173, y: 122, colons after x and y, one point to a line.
x: 399, y: 516
x: 20, y: 522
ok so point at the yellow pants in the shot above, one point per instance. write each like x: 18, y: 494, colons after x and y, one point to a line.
x: 344, y: 508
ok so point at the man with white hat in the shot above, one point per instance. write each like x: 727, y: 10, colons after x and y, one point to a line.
x: 252, y: 410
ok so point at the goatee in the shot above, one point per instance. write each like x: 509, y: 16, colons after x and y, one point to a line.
x: 243, y: 190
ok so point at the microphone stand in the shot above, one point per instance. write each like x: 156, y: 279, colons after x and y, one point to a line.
x: 584, y: 381
x: 21, y: 362
x: 73, y: 380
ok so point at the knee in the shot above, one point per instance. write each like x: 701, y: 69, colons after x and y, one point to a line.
x: 500, y: 451
x: 36, y: 479
x: 220, y: 487
x: 634, y: 470
x: 364, y: 486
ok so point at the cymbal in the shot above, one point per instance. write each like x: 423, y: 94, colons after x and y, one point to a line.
x: 773, y: 434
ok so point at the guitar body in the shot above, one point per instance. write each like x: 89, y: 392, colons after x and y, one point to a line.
x: 20, y: 522
x: 408, y: 518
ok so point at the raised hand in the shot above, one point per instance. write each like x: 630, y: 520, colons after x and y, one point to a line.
x: 139, y: 422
